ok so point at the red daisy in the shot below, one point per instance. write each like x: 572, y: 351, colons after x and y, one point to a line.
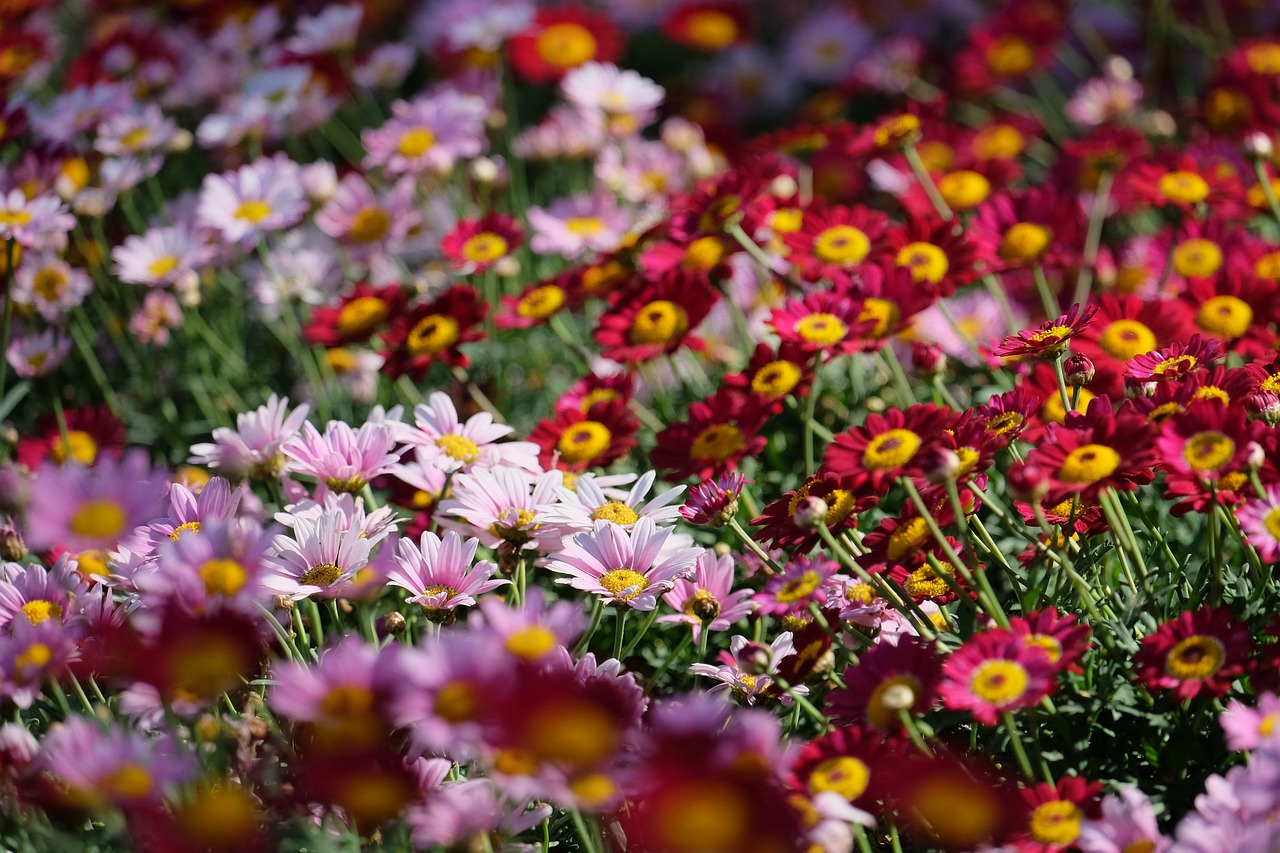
x: 1128, y: 326
x: 577, y: 439
x: 888, y: 446
x: 1003, y: 53
x: 655, y: 318
x: 718, y: 433
x: 834, y: 241
x: 1006, y: 417
x: 1056, y: 814
x: 885, y: 680
x: 925, y: 581
x: 360, y: 314
x: 1039, y: 227
x: 91, y: 431
x: 1196, y: 249
x: 1081, y: 514
x: 1176, y: 361
x: 939, y: 257
x: 827, y: 321
x: 890, y: 299
x: 1106, y: 149
x: 474, y: 245
x: 592, y: 390
x: 994, y: 672
x: 772, y: 374
x: 1051, y: 339
x: 1182, y: 182
x: 533, y: 306
x: 740, y: 194
x: 710, y: 26
x: 1097, y: 450
x: 1042, y: 384
x: 1202, y: 448
x: 843, y: 760
x: 898, y: 540
x: 432, y: 331
x: 560, y: 40
x: 1239, y: 310
x: 845, y: 500
x: 1063, y: 638
x: 1198, y: 652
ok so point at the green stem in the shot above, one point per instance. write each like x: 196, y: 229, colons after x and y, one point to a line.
x: 926, y: 182
x: 811, y: 407
x: 1093, y: 237
x: 1015, y: 739
x: 1264, y: 180
x: 649, y: 619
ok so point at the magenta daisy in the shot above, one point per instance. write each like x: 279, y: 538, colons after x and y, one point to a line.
x: 35, y: 595
x: 625, y: 569
x: 1260, y: 521
x: 441, y: 575
x: 343, y: 459
x: 1174, y: 361
x: 117, y: 766
x: 533, y: 630
x: 712, y: 503
x: 994, y: 672
x: 805, y: 581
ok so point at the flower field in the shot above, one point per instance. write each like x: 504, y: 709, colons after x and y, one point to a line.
x: 640, y: 426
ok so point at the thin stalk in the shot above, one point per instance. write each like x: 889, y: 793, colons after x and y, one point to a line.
x: 6, y: 314
x: 1015, y: 739
x: 1264, y: 180
x: 1093, y: 237
x: 926, y: 182
x: 810, y: 412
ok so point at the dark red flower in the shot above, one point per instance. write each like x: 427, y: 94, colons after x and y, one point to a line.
x: 654, y: 318
x: 710, y: 26
x: 91, y: 430
x: 888, y: 446
x: 1200, y: 652
x: 562, y: 38
x: 1056, y: 813
x: 432, y: 332
x: 474, y: 245
x: 361, y: 313
x: 718, y: 433
x: 578, y: 439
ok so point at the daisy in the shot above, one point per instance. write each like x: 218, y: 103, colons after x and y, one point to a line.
x: 217, y: 500
x: 575, y: 440
x: 443, y: 441
x: 158, y: 314
x: 252, y: 449
x: 843, y: 761
x: 34, y: 594
x: 433, y: 331
x: 833, y: 241
x: 624, y: 568
x: 580, y: 507
x: 887, y: 679
x: 533, y: 631
x: 825, y: 46
x: 1198, y: 652
x: 1128, y: 822
x: 333, y: 30
x: 317, y: 557
x: 366, y: 223
x: 1051, y: 339
x: 440, y: 574
x: 1057, y: 812
x: 33, y: 656
x: 501, y: 505
x: 801, y: 582
x: 653, y: 318
x: 1247, y: 727
x: 344, y: 459
x: 825, y: 321
x: 222, y: 566
x: 561, y: 39
x: 116, y: 766
x: 135, y: 133
x: 995, y: 672
x: 428, y: 134
x: 34, y: 223
x: 1260, y: 522
x: 475, y: 245
x: 719, y: 433
x: 263, y: 196
x: 385, y: 67
x: 888, y: 446
x: 357, y: 316
x: 576, y: 224
x: 172, y: 255
x: 713, y: 503
x: 707, y: 601
x: 1175, y: 361
x: 37, y: 354
x: 622, y: 100
x: 742, y: 678
x: 50, y: 285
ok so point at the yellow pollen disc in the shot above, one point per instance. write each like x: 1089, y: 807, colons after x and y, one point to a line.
x: 593, y: 788
x: 584, y: 441
x: 1225, y: 107
x: 1056, y: 822
x: 999, y: 142
x: 924, y: 582
x: 1052, y: 648
x: 346, y: 700
x: 1009, y: 56
x: 703, y: 254
x: 906, y: 538
x: 415, y: 142
x: 1263, y: 58
x: 1208, y: 451
x: 1005, y: 422
x: 223, y: 817
x: 787, y: 220
x: 128, y: 782
x: 79, y: 445
x: 717, y: 442
x: 1225, y: 316
x: 1089, y: 464
x: 223, y: 576
x: 1195, y: 658
x: 361, y: 316
x: 49, y: 283
x: 432, y: 334
x: 842, y: 244
x: 1198, y: 257
x: 885, y: 314
x: 92, y: 562
x: 896, y: 128
x: 840, y: 504
x: 891, y: 449
x: 1268, y: 724
x: 340, y: 360
x: 964, y: 190
x: 253, y: 212
x: 189, y: 527
x: 135, y: 137
x: 370, y: 225
x: 999, y: 681
x: 798, y: 588
x: 822, y: 329
x: 926, y: 261
x: 1176, y: 365
x: 579, y: 734
x: 617, y: 512
x: 99, y: 518
x: 1271, y: 521
x: 484, y: 247
x: 957, y: 812
x: 699, y: 817
x: 1268, y: 266
x: 531, y: 643
x: 1182, y: 187
x: 40, y: 610
x: 541, y: 302
x: 711, y: 29
x: 1053, y: 333
x: 163, y: 265
x: 776, y: 379
x: 624, y: 584
x: 323, y: 575
x: 458, y: 447
x: 34, y: 656
x: 1025, y: 241
x: 595, y: 397
x: 659, y: 322
x: 879, y: 713
x: 1125, y: 339
x: 1053, y: 411
x: 565, y: 45
x: 861, y: 593
x: 456, y: 702
x: 15, y: 218
x: 845, y: 775
x: 584, y: 224
x: 937, y: 155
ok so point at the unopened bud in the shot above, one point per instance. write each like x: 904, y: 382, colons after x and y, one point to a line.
x: 810, y: 512
x: 898, y: 697
x: 1118, y: 68
x: 1258, y: 146
x: 1262, y: 405
x: 12, y: 548
x: 1027, y: 482
x: 1135, y: 388
x: 940, y: 465
x: 1078, y: 370
x: 756, y: 658
x: 1160, y: 123
x: 705, y: 606
x: 508, y: 557
x: 928, y: 359
x: 393, y: 624
x: 722, y: 549
x: 1257, y: 455
x: 783, y: 186
x: 180, y: 141
x: 483, y: 170
x: 508, y: 267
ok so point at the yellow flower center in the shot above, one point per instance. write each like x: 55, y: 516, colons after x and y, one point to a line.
x: 1009, y: 55
x: 1005, y: 422
x: 896, y: 128
x: 999, y: 142
x: 861, y: 593
x: 1182, y: 187
x: 1056, y: 822
x: 1025, y: 241
x: 1226, y: 316
x: 798, y: 588
x: 456, y: 702
x: 1271, y: 521
x: 323, y: 575
x: 822, y: 329
x: 906, y: 538
x: 370, y: 224
x: 49, y: 282
x: 699, y: 817
x: 787, y: 220
x: 925, y: 582
x: 99, y: 518
x: 1256, y: 195
x: 891, y: 449
x: 189, y: 527
x: 223, y: 817
x: 584, y: 441
x: 659, y: 322
x: 361, y: 316
x: 1207, y: 451
x: 584, y: 224
x: 964, y: 190
x: 1263, y: 58
x: 39, y: 610
x: 340, y: 360
x: 1268, y: 266
x: 926, y: 261
x: 842, y: 244
x: 711, y: 29
x: 541, y: 302
x: 840, y: 505
x: 15, y: 218
x: 1125, y: 339
x: 223, y: 576
x: 1268, y: 724
x: 79, y: 445
x: 776, y: 378
x: 1195, y: 658
x: 1089, y: 464
x: 593, y: 788
x: 459, y: 447
x: 1052, y: 648
x: 135, y: 137
x: 1197, y: 257
x: 531, y: 643
x: 617, y: 512
x: 1053, y: 411
x: 432, y: 334
x: 34, y: 656
x: 845, y: 775
x: 253, y: 211
x: 885, y: 314
x: 999, y: 681
x: 565, y: 45
x: 484, y: 247
x: 956, y: 811
x: 703, y: 254
x: 128, y: 782
x: 718, y: 442
x: 415, y: 142
x: 163, y: 265
x: 624, y: 584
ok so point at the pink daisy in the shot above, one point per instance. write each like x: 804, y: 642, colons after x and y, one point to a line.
x: 501, y: 505
x: 994, y: 672
x: 626, y: 569
x: 317, y: 557
x: 1260, y: 521
x: 35, y: 223
x: 444, y: 442
x: 365, y: 222
x: 571, y: 226
x: 252, y: 449
x: 707, y: 601
x: 343, y: 459
x: 427, y: 135
x: 258, y: 198
x: 440, y: 574
x: 172, y: 255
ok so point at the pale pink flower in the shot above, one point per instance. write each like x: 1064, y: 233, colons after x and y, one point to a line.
x: 344, y: 459
x: 135, y: 132
x: 385, y: 67
x: 501, y: 505
x: 50, y: 285
x: 440, y: 573
x: 427, y: 135
x: 707, y: 601
x: 256, y: 199
x: 625, y: 569
x: 1247, y: 727
x: 365, y: 222
x: 37, y: 354
x: 253, y: 447
x: 171, y: 255
x: 333, y: 30
x: 159, y: 313
x: 444, y: 442
x: 623, y: 100
x: 35, y: 223
x: 577, y: 224
x: 317, y: 557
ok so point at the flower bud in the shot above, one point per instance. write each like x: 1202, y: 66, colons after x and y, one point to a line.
x: 1263, y: 406
x: 1118, y: 68
x: 181, y: 140
x: 940, y: 464
x: 1135, y: 388
x: 508, y: 267
x: 783, y: 186
x: 705, y: 606
x: 1257, y: 455
x: 12, y: 548
x: 483, y: 170
x: 1078, y: 370
x: 722, y: 549
x: 393, y: 624
x: 1027, y: 481
x: 756, y: 658
x: 811, y: 512
x: 898, y: 697
x: 1258, y: 146
x: 928, y: 359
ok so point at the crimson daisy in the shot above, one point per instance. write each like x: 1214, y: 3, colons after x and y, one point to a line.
x: 533, y: 306
x: 1051, y: 339
x: 577, y: 439
x: 1197, y: 248
x: 1056, y: 814
x: 1106, y: 149
x: 897, y: 540
x: 432, y: 332
x: 994, y: 672
x: 834, y: 241
x: 1006, y: 417
x: 843, y: 760
x: 1202, y: 448
x: 1198, y: 652
x: 888, y: 446
x: 1063, y: 638
x: 826, y: 321
x: 846, y: 498
x: 360, y: 314
x: 1128, y: 326
x: 91, y: 430
x: 885, y: 680
x: 739, y: 194
x: 562, y: 38
x: 889, y: 301
x: 1182, y: 182
x: 1005, y: 51
x: 718, y: 433
x: 1097, y: 450
x: 474, y: 245
x: 1239, y: 310
x: 772, y: 374
x: 1040, y: 227
x: 710, y: 26
x: 659, y: 317
x: 1175, y: 361
x: 939, y: 257
x: 925, y: 581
